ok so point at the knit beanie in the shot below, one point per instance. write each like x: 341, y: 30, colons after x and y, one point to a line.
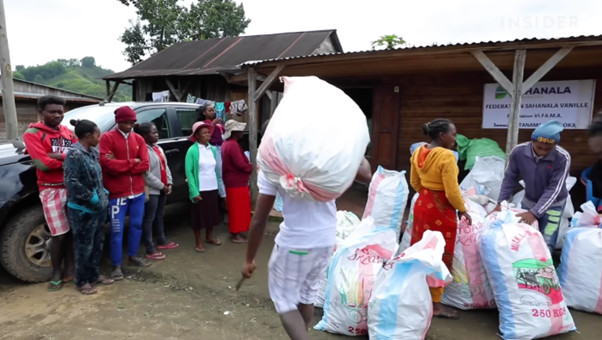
x: 548, y: 132
x: 125, y: 114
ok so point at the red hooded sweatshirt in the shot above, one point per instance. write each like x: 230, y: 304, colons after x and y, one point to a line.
x: 122, y: 176
x: 40, y: 140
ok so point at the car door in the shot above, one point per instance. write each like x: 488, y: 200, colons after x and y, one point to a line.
x: 170, y: 142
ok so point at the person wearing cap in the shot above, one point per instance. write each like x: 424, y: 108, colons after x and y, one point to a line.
x: 236, y: 171
x: 203, y: 184
x: 124, y: 160
x: 544, y: 167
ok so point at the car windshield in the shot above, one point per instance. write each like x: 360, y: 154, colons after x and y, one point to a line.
x: 101, y: 115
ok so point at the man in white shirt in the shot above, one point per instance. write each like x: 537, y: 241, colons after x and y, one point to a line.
x: 301, y: 251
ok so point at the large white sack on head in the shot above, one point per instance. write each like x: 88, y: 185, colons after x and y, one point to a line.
x: 387, y: 198
x: 315, y: 140
x: 351, y: 275
x: 400, y: 306
x: 580, y: 272
x: 485, y: 178
x: 470, y: 288
x: 347, y: 222
x: 406, y: 239
x: 524, y: 280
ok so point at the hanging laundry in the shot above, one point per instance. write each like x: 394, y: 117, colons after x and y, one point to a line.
x: 202, y: 101
x: 190, y: 98
x: 162, y: 96
x: 227, y: 105
x: 238, y: 107
x: 220, y: 111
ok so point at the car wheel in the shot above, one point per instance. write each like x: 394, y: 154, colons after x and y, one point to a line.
x: 25, y: 246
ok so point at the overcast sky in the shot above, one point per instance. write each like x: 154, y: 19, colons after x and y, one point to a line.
x: 43, y: 30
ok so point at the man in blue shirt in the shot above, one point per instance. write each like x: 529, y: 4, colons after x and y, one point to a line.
x: 544, y: 166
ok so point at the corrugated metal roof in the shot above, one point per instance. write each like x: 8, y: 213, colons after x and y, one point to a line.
x: 212, y: 56
x: 426, y: 48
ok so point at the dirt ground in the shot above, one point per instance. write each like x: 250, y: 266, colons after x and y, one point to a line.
x: 191, y: 296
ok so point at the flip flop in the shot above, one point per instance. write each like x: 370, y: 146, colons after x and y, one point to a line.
x: 89, y: 290
x: 67, y: 280
x: 55, y: 286
x: 104, y: 280
x: 170, y: 245
x: 214, y: 241
x: 156, y: 256
x: 200, y: 250
x: 117, y: 275
x: 238, y: 240
x: 139, y: 261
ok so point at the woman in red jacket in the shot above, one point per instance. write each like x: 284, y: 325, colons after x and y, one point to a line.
x: 236, y: 171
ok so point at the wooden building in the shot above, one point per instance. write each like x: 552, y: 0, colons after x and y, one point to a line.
x: 26, y: 100
x: 211, y: 68
x: 401, y: 89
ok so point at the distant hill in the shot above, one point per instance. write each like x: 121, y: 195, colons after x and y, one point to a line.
x: 81, y: 76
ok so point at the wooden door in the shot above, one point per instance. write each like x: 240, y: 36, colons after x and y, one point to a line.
x: 385, y: 126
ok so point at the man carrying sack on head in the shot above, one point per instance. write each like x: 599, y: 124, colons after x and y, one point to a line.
x: 544, y: 166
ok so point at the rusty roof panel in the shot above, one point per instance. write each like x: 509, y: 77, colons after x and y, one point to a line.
x: 215, y: 55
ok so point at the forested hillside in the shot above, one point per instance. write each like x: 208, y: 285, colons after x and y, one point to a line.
x: 81, y: 76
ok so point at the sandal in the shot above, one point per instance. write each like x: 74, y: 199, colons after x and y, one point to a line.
x: 214, y: 241
x: 170, y: 245
x: 87, y: 289
x: 139, y: 261
x: 199, y: 250
x: 238, y: 240
x: 156, y: 256
x: 55, y: 286
x: 117, y: 274
x: 104, y: 280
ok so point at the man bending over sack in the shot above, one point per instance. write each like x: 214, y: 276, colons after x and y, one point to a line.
x: 301, y: 251
x: 544, y: 166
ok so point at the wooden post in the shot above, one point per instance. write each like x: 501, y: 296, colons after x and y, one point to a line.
x: 517, y: 96
x: 113, y: 91
x: 251, y: 83
x: 173, y: 90
x: 8, y: 92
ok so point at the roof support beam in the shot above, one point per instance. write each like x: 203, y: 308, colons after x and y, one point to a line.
x: 268, y: 81
x: 174, y: 90
x: 493, y: 70
x: 111, y: 94
x: 518, y: 87
x: 546, y: 67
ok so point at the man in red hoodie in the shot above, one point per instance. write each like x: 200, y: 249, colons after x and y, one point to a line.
x: 124, y: 159
x: 47, y: 143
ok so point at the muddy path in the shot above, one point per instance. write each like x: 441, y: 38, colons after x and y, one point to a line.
x: 191, y: 296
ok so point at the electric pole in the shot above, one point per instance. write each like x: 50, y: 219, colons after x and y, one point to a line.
x: 8, y: 96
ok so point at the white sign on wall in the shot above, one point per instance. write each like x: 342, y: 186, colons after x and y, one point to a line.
x: 568, y: 101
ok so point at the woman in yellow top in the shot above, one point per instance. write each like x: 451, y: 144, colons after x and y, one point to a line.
x: 434, y: 176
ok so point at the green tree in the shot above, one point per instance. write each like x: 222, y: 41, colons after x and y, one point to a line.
x: 389, y: 41
x: 88, y: 62
x: 161, y: 23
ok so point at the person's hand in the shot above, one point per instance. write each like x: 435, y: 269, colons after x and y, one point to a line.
x: 136, y: 160
x: 217, y: 121
x: 110, y: 156
x: 167, y: 190
x: 247, y: 269
x: 497, y: 208
x: 197, y: 199
x: 466, y: 216
x: 527, y: 217
x: 56, y: 155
